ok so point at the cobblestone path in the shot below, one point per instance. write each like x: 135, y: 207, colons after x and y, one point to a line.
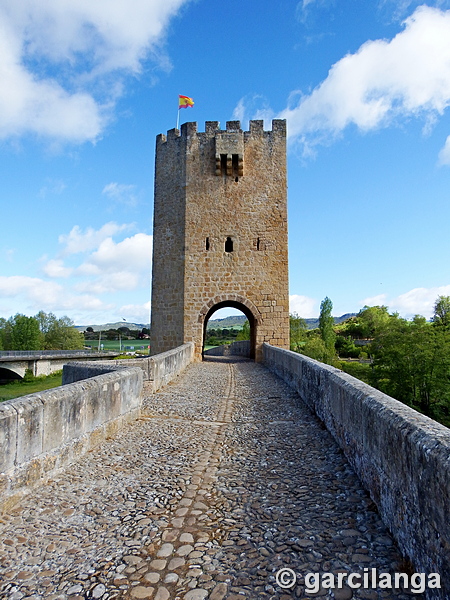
x: 225, y: 479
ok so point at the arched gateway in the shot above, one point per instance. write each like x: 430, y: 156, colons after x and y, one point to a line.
x: 220, y: 233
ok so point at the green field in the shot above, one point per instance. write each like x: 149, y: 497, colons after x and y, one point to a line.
x: 16, y: 389
x: 140, y: 346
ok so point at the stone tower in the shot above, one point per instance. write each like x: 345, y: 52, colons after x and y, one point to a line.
x: 220, y: 233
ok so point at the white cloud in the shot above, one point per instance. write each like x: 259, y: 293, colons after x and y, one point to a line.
x: 302, y: 305
x: 121, y: 193
x: 55, y: 268
x: 132, y: 254
x: 62, y: 61
x: 136, y: 313
x: 39, y: 294
x: 379, y: 300
x: 418, y: 301
x: 52, y: 187
x: 254, y: 106
x: 113, y: 282
x: 384, y: 81
x: 78, y: 241
x: 101, y: 272
x: 444, y: 154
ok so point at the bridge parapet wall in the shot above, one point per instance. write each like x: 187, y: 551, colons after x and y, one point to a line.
x: 40, y: 434
x: 158, y: 370
x: 401, y: 456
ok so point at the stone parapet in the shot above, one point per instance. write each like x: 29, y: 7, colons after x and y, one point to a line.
x: 43, y: 433
x: 159, y: 370
x: 401, y: 456
x: 40, y: 434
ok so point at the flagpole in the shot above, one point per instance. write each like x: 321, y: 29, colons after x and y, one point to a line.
x: 178, y: 115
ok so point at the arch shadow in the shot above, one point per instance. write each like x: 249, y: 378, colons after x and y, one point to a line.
x: 239, y: 306
x: 7, y: 376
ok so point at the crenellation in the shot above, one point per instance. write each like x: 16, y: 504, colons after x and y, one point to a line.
x: 233, y: 126
x: 221, y: 217
x: 173, y: 134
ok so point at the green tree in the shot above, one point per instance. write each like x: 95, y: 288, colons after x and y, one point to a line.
x: 412, y: 363
x: 367, y: 322
x: 25, y: 333
x: 326, y: 324
x: 297, y: 332
x: 442, y: 312
x: 244, y: 333
x: 346, y: 348
x: 5, y: 333
x: 315, y: 348
x: 59, y: 334
x: 3, y: 325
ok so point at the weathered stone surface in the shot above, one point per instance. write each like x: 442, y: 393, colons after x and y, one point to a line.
x: 230, y: 435
x: 197, y: 594
x: 225, y: 232
x: 401, y: 456
x: 142, y: 592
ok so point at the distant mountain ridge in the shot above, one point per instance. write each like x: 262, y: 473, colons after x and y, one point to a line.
x: 225, y: 323
x: 239, y: 320
x: 314, y: 323
x: 106, y: 326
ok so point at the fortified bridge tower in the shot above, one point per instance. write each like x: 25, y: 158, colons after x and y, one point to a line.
x: 220, y: 233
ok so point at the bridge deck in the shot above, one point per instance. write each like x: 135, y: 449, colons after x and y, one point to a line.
x: 226, y: 479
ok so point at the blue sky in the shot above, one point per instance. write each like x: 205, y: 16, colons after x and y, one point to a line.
x: 87, y: 86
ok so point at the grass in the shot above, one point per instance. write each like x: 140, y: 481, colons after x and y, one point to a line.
x: 138, y: 345
x: 15, y: 389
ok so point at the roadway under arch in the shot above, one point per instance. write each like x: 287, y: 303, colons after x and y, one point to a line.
x: 239, y: 306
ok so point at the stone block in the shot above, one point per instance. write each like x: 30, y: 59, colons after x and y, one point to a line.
x: 30, y: 427
x: 8, y: 436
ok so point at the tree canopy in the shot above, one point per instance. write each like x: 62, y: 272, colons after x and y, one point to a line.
x: 407, y: 359
x: 41, y: 332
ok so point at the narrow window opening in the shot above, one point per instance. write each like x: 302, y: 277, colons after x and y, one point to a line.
x: 207, y: 243
x: 235, y: 165
x: 223, y: 164
x: 229, y: 245
x: 257, y: 244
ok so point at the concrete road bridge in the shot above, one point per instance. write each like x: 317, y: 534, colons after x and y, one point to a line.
x: 229, y: 482
x: 14, y: 363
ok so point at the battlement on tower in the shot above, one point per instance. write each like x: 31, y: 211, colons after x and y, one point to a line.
x: 226, y: 147
x: 212, y: 129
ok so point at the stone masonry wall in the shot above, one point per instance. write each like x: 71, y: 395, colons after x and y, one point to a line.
x: 43, y: 433
x: 401, y: 456
x: 228, y: 185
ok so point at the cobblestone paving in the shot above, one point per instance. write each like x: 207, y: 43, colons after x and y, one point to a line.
x: 224, y: 480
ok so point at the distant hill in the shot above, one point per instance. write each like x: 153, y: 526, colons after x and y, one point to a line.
x: 239, y: 320
x: 225, y: 323
x: 106, y: 326
x: 314, y: 323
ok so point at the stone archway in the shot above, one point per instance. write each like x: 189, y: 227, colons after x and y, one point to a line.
x: 246, y: 307
x: 7, y: 375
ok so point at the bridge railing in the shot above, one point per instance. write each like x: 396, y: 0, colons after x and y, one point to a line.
x: 401, y: 456
x: 20, y: 353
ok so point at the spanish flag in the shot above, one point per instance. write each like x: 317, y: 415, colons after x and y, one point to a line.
x: 185, y: 102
